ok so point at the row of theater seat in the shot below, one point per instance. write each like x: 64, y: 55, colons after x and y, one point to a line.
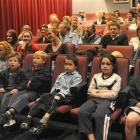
x: 123, y: 71
x: 127, y: 51
x: 100, y: 29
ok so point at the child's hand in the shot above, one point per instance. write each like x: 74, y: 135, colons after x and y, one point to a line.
x: 23, y: 45
x: 2, y: 90
x: 103, y: 88
x: 28, y: 84
x: 94, y: 94
x: 14, y: 91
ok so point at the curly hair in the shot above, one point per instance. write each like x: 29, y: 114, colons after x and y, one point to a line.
x: 8, y: 48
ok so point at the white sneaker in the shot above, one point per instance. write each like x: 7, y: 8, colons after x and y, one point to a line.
x: 11, y: 122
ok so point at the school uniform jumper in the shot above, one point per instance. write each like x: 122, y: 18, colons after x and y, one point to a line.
x: 99, y: 109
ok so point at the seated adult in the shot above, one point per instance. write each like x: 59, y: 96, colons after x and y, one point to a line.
x: 53, y: 21
x: 133, y: 111
x: 81, y: 16
x: 90, y: 36
x: 99, y: 19
x: 11, y: 38
x: 114, y: 38
x: 67, y: 19
x: 130, y: 18
x: 43, y: 38
x: 75, y: 27
x: 118, y: 17
x: 135, y: 41
x: 56, y: 47
x: 66, y: 36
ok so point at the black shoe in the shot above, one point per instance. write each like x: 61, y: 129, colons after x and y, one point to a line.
x: 26, y: 124
x: 39, y: 129
x: 4, y: 118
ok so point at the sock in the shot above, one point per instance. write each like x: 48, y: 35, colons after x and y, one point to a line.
x: 8, y: 113
x: 29, y: 116
x: 45, y: 118
x: 12, y: 110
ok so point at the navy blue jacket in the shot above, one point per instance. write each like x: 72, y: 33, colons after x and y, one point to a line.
x: 40, y: 79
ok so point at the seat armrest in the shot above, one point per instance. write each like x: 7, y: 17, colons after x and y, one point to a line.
x: 79, y: 93
x: 122, y: 99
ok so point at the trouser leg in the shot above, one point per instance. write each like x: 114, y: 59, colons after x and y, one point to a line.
x: 42, y: 105
x: 102, y: 120
x: 85, y: 119
x: 20, y: 100
x: 5, y: 100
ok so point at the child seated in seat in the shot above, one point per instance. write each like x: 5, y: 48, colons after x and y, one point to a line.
x: 12, y: 79
x: 38, y: 82
x: 102, y: 91
x: 59, y: 95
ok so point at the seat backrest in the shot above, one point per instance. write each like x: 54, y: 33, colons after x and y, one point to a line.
x: 42, y: 46
x: 27, y: 62
x: 137, y: 68
x: 127, y: 51
x: 59, y: 67
x: 123, y: 29
x: 34, y: 39
x: 82, y: 47
x: 100, y: 29
x: 71, y: 48
x: 123, y: 72
x: 38, y: 32
x: 131, y: 33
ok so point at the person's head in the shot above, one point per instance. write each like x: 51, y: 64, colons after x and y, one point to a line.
x: 27, y: 36
x: 11, y: 36
x: 99, y: 15
x: 44, y: 29
x: 39, y: 59
x: 52, y: 34
x: 52, y: 16
x: 82, y: 13
x: 5, y: 49
x: 117, y: 13
x: 64, y: 28
x: 90, y: 29
x: 67, y: 19
x: 71, y: 63
x: 108, y: 64
x: 114, y: 29
x: 25, y: 28
x: 117, y: 54
x: 14, y: 61
x: 130, y: 14
x: 74, y: 20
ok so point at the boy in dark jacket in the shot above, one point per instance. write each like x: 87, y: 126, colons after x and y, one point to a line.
x: 38, y: 82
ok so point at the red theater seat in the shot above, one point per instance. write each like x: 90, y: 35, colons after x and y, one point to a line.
x: 127, y: 51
